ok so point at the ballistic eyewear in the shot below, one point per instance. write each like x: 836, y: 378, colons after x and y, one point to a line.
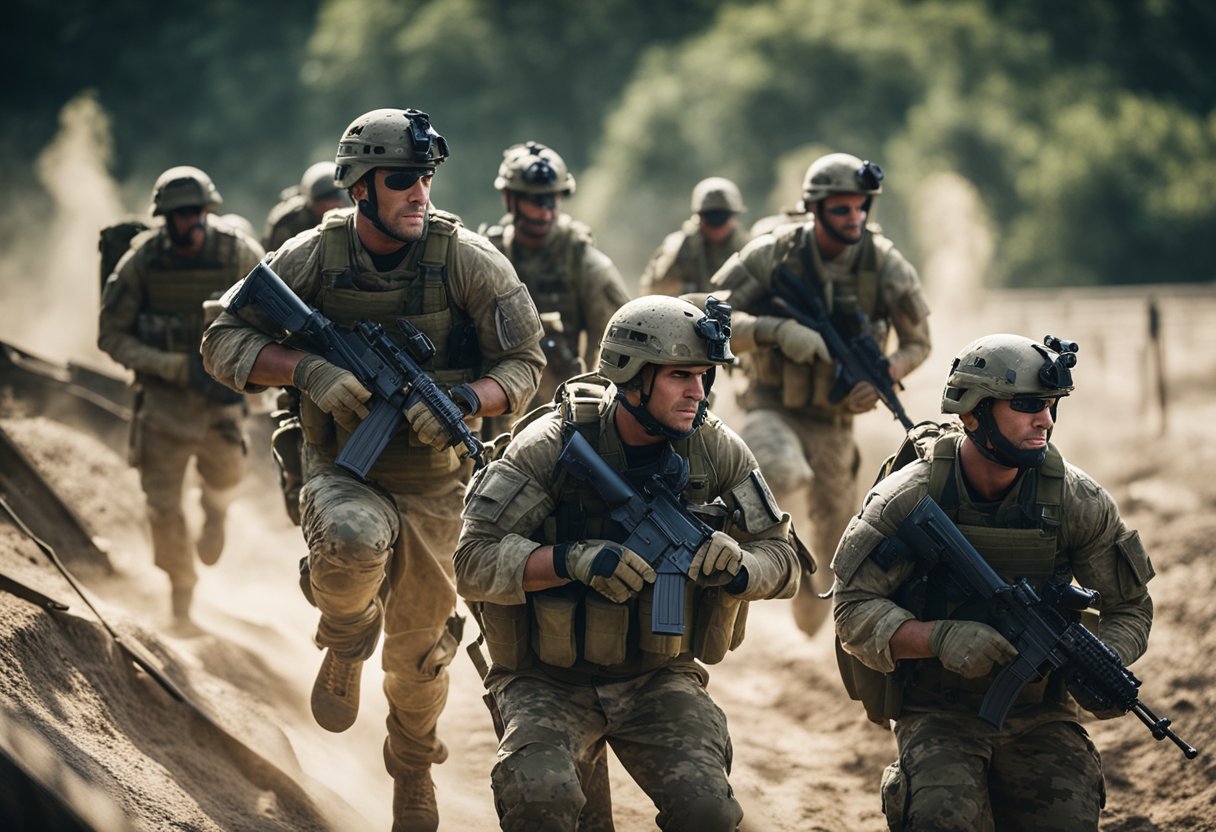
x: 403, y: 180
x: 1031, y: 404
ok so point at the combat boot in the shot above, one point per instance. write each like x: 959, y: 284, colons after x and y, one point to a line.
x: 335, y: 694
x: 210, y: 541
x: 414, y: 807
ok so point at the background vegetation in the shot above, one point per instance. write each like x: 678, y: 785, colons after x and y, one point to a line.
x: 1087, y: 128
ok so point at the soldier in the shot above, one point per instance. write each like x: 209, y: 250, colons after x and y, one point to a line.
x: 688, y: 258
x: 151, y: 321
x: 868, y: 287
x: 575, y: 286
x: 380, y: 552
x: 566, y: 609
x: 1030, y: 515
x: 302, y: 207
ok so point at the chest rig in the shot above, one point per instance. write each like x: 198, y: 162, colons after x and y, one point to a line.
x: 798, y: 385
x: 416, y: 290
x: 1017, y: 537
x: 171, y: 317
x: 697, y: 261
x: 553, y: 273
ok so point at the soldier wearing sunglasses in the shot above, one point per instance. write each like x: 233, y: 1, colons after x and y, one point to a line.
x: 576, y: 287
x: 380, y: 552
x: 1032, y: 516
x: 688, y: 258
x: 151, y: 322
x: 802, y: 434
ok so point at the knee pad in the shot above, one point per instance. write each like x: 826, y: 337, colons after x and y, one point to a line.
x: 707, y: 813
x: 536, y: 788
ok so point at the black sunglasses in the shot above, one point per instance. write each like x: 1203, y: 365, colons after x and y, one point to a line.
x: 843, y: 210
x: 1031, y: 404
x: 187, y: 211
x: 403, y: 180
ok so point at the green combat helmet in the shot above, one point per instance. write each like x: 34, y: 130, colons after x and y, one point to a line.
x: 388, y: 139
x: 1011, y: 367
x: 533, y: 168
x: 717, y: 194
x: 318, y: 183
x: 840, y: 173
x: 184, y: 187
x: 658, y: 329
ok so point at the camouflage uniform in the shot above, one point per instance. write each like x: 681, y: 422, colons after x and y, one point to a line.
x: 570, y: 276
x: 955, y: 771
x: 786, y: 402
x: 379, y: 554
x: 567, y: 681
x: 152, y: 314
x: 302, y: 206
x: 287, y: 219
x: 685, y: 261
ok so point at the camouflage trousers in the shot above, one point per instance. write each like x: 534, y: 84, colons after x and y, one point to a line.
x: 663, y: 726
x: 812, y: 469
x: 162, y: 456
x: 956, y: 772
x: 360, y: 537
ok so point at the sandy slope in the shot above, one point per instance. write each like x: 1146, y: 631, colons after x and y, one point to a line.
x: 805, y: 757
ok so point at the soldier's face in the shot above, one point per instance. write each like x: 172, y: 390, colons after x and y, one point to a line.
x: 715, y: 234
x: 401, y: 203
x: 1027, y: 431
x: 845, y: 214
x: 535, y: 219
x: 676, y: 393
x: 187, y: 227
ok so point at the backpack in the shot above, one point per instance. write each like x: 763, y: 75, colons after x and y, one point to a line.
x: 918, y: 444
x: 113, y: 243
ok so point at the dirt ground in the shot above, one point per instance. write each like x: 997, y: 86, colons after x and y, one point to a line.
x: 249, y: 756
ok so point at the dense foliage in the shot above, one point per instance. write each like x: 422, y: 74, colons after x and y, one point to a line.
x: 1086, y: 128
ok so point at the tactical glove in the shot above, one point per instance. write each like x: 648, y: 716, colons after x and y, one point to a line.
x: 609, y: 568
x: 969, y: 648
x: 862, y: 398
x: 334, y: 390
x: 800, y: 343
x: 717, y: 561
x: 428, y: 427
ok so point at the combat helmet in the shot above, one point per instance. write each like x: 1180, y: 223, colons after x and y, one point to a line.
x: 184, y: 187
x: 1005, y: 366
x: 318, y: 183
x: 840, y: 173
x: 388, y: 138
x: 717, y: 194
x: 533, y: 168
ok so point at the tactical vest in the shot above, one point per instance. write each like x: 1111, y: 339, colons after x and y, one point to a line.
x: 171, y: 317
x: 554, y: 273
x: 693, y: 260
x: 799, y: 386
x: 573, y: 630
x: 421, y: 296
x: 1019, y: 540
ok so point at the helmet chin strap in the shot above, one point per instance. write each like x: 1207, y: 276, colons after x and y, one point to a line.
x: 1003, y: 452
x: 653, y: 426
x: 369, y: 209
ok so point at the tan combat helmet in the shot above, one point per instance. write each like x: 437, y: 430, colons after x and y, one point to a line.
x: 318, y: 182
x: 840, y: 173
x: 533, y: 168
x: 388, y: 139
x: 1005, y: 366
x: 184, y: 187
x: 658, y: 329
x: 717, y: 194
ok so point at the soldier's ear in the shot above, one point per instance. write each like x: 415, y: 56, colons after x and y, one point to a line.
x: 970, y: 422
x: 358, y: 191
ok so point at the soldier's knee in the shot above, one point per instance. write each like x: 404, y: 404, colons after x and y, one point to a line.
x: 352, y: 536
x: 947, y: 810
x: 536, y: 789
x: 704, y: 813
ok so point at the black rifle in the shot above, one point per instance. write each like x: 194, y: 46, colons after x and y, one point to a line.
x: 858, y: 359
x: 394, y: 375
x: 1046, y: 639
x: 660, y: 528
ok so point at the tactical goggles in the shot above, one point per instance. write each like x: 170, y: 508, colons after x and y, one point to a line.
x: 1031, y: 404
x: 546, y: 201
x: 187, y: 211
x: 869, y: 176
x: 403, y: 180
x: 717, y: 217
x: 845, y: 210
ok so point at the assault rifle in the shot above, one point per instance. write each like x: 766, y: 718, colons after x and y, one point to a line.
x: 859, y: 359
x: 661, y: 529
x: 394, y: 375
x: 1045, y: 637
